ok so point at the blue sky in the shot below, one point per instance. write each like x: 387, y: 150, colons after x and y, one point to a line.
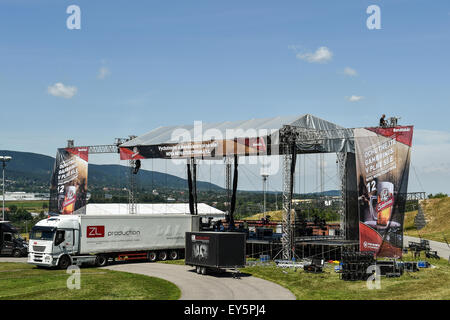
x: 137, y: 65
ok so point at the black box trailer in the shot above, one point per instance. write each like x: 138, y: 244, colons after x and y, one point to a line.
x: 215, y: 251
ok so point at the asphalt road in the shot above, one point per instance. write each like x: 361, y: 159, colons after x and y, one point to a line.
x: 198, y: 287
x: 194, y: 286
x: 442, y: 248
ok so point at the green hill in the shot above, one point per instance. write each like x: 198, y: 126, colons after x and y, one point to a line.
x: 31, y: 172
x: 437, y: 214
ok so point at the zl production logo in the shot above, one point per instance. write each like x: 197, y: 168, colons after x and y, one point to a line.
x: 95, y: 231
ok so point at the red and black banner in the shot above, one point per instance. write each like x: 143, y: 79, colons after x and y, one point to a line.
x: 68, y: 189
x: 203, y: 150
x: 382, y: 166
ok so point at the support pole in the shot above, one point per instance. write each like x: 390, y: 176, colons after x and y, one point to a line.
x: 233, y: 196
x: 3, y: 187
x: 192, y: 185
x: 191, y: 195
x: 228, y: 183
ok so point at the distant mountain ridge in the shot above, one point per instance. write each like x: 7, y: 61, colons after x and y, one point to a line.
x: 35, y: 170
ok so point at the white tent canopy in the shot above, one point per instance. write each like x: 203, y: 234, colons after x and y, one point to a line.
x: 204, y: 210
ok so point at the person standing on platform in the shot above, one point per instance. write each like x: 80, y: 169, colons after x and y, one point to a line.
x: 383, y: 122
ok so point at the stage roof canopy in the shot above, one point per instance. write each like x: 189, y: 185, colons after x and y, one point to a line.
x: 312, y: 134
x: 236, y: 129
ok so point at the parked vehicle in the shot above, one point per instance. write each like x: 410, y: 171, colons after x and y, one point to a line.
x: 11, y: 243
x: 215, y: 251
x: 76, y: 239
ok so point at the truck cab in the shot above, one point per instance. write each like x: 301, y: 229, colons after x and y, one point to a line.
x: 53, y: 241
x: 11, y: 243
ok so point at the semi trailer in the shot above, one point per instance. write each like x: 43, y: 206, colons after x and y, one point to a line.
x: 61, y: 241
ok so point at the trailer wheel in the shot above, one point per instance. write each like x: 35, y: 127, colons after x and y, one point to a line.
x: 173, y: 255
x: 152, y: 256
x: 101, y: 261
x: 16, y: 254
x: 64, y: 262
x: 163, y: 256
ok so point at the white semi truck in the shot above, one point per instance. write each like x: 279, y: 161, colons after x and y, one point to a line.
x: 61, y: 241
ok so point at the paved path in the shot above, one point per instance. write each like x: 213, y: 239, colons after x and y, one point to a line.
x: 194, y: 286
x: 442, y: 248
x: 11, y: 259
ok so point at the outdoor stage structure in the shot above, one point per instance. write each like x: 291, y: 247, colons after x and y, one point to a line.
x: 373, y: 169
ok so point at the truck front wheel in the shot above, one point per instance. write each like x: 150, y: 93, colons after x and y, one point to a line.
x: 64, y: 262
x: 163, y: 256
x: 101, y: 261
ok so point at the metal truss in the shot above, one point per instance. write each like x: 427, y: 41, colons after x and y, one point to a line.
x: 342, y: 158
x: 132, y: 201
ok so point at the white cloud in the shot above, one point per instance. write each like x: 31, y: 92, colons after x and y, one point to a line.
x: 60, y: 90
x: 354, y: 98
x: 322, y: 55
x: 103, y: 72
x: 350, y: 72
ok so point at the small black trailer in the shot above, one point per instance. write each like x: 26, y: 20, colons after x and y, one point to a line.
x: 215, y: 251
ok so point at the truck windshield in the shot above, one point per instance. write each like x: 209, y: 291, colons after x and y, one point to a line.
x: 42, y: 233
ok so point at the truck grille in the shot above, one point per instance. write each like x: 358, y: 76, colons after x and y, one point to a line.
x: 38, y: 257
x: 39, y: 248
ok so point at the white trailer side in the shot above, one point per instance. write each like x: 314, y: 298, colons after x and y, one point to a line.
x: 121, y: 233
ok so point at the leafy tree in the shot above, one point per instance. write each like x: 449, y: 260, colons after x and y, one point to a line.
x: 437, y: 195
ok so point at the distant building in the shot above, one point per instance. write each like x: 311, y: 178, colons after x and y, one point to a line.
x: 25, y: 196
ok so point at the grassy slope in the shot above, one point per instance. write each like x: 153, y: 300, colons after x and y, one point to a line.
x: 19, y: 281
x: 426, y: 284
x: 437, y: 211
x: 274, y: 215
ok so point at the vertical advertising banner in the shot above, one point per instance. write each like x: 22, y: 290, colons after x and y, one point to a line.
x: 69, y: 180
x: 382, y: 166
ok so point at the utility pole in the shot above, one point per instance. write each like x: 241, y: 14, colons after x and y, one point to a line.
x: 4, y: 160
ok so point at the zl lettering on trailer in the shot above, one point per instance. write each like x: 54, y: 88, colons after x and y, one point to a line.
x: 95, y: 231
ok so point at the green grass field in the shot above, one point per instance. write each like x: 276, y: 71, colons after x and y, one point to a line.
x: 33, y: 206
x: 427, y: 284
x: 20, y: 281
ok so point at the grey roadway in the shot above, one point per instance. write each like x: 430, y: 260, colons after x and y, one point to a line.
x: 198, y: 287
x: 194, y: 286
x: 442, y: 248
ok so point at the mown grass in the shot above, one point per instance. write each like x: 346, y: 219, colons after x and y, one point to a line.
x: 176, y: 262
x: 426, y: 284
x: 30, y: 205
x: 19, y: 281
x: 437, y: 212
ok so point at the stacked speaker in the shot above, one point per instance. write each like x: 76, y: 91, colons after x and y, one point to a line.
x: 355, y: 265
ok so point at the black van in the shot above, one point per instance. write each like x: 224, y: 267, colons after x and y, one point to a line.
x: 11, y: 243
